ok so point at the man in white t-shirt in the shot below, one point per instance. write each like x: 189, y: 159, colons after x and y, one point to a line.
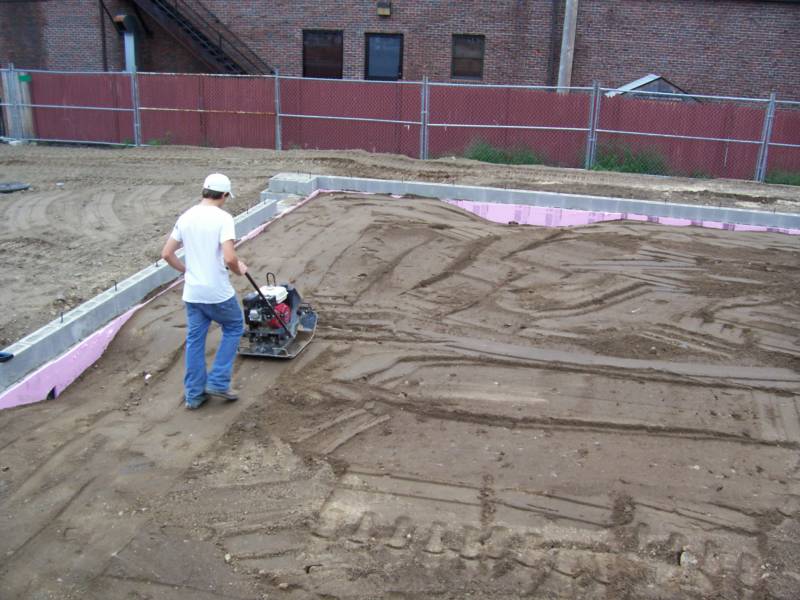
x: 207, y: 235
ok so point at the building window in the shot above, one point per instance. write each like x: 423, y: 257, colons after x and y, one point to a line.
x: 468, y: 56
x: 384, y: 56
x: 322, y: 54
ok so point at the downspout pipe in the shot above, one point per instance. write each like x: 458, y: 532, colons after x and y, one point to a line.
x: 131, y: 29
x: 552, y: 51
x: 103, y: 44
x: 567, y: 46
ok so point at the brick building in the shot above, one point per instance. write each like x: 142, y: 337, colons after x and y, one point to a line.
x: 731, y: 47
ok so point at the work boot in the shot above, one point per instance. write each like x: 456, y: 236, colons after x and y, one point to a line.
x: 196, y: 403
x: 227, y: 395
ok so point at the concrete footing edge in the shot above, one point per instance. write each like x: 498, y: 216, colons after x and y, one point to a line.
x: 304, y: 184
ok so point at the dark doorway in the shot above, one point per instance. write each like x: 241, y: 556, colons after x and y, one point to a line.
x: 384, y: 60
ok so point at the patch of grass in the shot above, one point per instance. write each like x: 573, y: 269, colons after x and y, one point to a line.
x: 625, y: 160
x: 485, y: 152
x: 166, y: 140
x: 784, y: 177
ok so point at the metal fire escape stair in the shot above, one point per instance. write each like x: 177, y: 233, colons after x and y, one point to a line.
x: 204, y: 35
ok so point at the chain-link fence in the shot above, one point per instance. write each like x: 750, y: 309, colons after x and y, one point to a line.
x: 589, y: 127
x: 337, y: 114
x: 57, y: 106
x: 207, y: 110
x: 781, y: 162
x: 680, y: 134
x: 509, y: 124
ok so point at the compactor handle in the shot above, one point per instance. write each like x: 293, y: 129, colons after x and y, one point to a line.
x: 258, y: 289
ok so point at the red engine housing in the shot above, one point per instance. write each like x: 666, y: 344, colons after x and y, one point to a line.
x: 284, y: 312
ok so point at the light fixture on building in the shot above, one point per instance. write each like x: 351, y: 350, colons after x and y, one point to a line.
x: 384, y: 8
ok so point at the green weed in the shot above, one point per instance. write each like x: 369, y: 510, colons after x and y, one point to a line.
x: 165, y: 141
x: 625, y: 160
x: 784, y: 177
x: 485, y: 152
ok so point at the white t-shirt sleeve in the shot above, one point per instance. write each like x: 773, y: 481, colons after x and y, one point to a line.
x: 228, y: 231
x: 176, y: 232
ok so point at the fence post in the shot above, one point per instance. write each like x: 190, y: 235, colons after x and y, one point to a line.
x: 427, y: 117
x: 423, y: 119
x: 766, y: 135
x: 4, y: 124
x: 591, y: 134
x: 278, y: 132
x: 14, y: 118
x: 137, y: 116
x: 8, y: 123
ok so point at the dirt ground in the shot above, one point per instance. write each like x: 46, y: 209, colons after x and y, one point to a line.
x: 487, y: 411
x: 96, y: 215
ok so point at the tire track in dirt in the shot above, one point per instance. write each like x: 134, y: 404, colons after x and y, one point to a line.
x: 600, y: 302
x: 712, y: 342
x: 65, y: 505
x: 778, y: 381
x: 461, y: 262
x: 24, y: 215
x: 378, y: 277
x: 578, y: 425
x: 559, y: 235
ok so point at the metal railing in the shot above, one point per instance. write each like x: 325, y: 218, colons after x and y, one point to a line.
x: 207, y: 22
x: 591, y: 127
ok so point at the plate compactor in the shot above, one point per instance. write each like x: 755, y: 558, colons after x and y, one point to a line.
x: 278, y: 324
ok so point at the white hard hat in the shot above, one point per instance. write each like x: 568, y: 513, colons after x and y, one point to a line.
x: 218, y: 182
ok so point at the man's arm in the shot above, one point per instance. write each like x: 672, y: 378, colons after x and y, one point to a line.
x: 231, y: 260
x: 168, y: 254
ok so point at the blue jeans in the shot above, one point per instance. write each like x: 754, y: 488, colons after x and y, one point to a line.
x: 198, y: 318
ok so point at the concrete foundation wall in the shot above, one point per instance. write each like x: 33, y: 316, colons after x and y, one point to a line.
x: 300, y: 183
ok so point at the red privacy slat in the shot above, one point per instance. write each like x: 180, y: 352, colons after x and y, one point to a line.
x: 203, y: 110
x: 687, y: 157
x: 785, y: 130
x: 240, y: 111
x: 509, y: 106
x: 106, y: 90
x: 368, y: 100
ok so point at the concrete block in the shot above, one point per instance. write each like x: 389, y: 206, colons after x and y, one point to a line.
x: 325, y: 182
x: 375, y: 186
x: 293, y: 183
x: 253, y: 217
x: 267, y: 195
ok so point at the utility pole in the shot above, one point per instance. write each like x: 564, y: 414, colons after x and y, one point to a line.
x: 567, y: 46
